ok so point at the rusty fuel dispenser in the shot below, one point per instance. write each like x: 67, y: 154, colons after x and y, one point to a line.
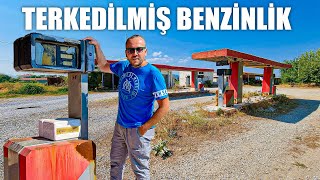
x: 62, y: 149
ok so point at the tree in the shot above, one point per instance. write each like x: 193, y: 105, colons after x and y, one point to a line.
x: 4, y: 78
x: 305, y: 69
x: 94, y: 80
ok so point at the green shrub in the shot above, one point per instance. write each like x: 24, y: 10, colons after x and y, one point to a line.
x: 162, y: 150
x: 63, y: 90
x: 219, y: 112
x: 281, y: 98
x: 31, y: 89
x: 208, y: 83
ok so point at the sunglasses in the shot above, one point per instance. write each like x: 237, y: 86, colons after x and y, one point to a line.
x: 133, y: 50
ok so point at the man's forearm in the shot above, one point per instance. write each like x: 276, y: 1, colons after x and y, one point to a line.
x: 101, y: 60
x: 157, y: 116
x: 102, y: 63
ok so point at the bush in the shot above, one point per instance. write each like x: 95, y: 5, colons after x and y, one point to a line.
x: 162, y: 150
x: 94, y: 80
x: 4, y: 78
x: 219, y: 112
x: 63, y: 90
x: 31, y: 89
x: 208, y: 83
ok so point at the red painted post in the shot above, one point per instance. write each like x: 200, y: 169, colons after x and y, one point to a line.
x: 228, y: 99
x: 194, y: 80
x: 193, y: 74
x: 235, y: 80
x: 38, y: 158
x: 267, y: 80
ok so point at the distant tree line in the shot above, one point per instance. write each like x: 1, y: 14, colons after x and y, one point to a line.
x: 6, y: 78
x: 305, y: 69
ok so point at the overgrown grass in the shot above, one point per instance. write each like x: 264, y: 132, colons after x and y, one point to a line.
x: 272, y: 106
x: 251, y: 94
x: 301, y: 85
x: 181, y: 128
x: 10, y: 90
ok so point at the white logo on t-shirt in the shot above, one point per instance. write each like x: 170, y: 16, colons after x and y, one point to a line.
x: 160, y: 93
x: 129, y: 84
x: 126, y: 85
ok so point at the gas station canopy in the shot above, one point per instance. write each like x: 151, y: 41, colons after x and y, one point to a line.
x: 235, y: 56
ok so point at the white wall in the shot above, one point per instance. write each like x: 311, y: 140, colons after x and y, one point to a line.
x: 183, y: 78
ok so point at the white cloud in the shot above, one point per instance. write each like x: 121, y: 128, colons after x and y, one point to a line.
x: 184, y: 60
x: 161, y: 60
x: 156, y: 54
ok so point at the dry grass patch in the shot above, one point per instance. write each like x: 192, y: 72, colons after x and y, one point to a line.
x: 185, y: 130
x: 251, y: 94
x: 311, y: 141
x: 301, y: 165
x: 273, y: 106
x: 104, y: 102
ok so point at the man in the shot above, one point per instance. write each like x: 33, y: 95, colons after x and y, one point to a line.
x: 140, y: 84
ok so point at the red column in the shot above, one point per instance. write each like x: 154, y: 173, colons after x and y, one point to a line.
x: 235, y: 80
x: 267, y: 80
x: 192, y: 78
x: 194, y: 84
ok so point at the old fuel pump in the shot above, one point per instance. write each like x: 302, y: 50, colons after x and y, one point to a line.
x: 225, y: 95
x: 62, y: 150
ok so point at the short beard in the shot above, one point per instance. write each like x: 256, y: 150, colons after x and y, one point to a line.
x: 139, y: 65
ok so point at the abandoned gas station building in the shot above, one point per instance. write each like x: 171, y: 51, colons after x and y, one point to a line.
x: 237, y: 60
x: 110, y: 80
x: 191, y: 77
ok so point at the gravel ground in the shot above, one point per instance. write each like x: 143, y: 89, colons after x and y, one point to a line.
x: 262, y: 152
x: 19, y: 118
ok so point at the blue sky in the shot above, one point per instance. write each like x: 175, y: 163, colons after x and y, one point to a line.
x: 176, y: 47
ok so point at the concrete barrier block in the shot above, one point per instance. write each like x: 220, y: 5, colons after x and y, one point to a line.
x: 59, y: 129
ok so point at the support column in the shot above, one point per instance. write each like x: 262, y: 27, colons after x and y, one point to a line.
x: 112, y: 79
x: 267, y: 82
x: 236, y: 81
x: 169, y: 79
x: 194, y: 81
x: 78, y: 100
x: 221, y: 90
x: 102, y: 79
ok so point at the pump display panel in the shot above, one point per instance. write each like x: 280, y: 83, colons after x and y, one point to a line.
x: 54, y: 55
x: 37, y: 52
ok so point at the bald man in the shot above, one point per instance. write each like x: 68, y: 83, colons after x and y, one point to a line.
x: 140, y: 84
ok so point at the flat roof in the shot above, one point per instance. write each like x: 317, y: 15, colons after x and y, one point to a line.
x: 233, y: 56
x: 174, y: 68
x: 252, y: 74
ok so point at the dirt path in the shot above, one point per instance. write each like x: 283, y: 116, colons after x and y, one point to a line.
x: 286, y: 147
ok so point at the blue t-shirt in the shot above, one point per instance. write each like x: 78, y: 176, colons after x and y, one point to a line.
x: 138, y: 89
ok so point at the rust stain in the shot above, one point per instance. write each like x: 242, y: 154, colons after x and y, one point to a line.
x: 87, y: 149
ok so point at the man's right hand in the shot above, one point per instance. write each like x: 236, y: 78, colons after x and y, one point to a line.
x: 100, y: 60
x: 92, y: 41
